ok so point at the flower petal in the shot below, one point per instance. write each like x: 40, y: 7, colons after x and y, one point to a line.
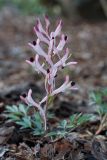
x: 50, y: 47
x: 61, y: 43
x: 38, y: 49
x: 62, y: 88
x: 58, y: 29
x: 41, y: 36
x: 40, y: 27
x: 62, y: 61
x: 70, y: 63
x: 39, y: 66
x: 33, y: 65
x: 47, y: 23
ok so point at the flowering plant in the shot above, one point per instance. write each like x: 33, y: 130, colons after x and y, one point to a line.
x: 48, y: 66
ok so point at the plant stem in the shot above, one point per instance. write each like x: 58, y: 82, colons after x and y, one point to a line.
x: 45, y: 119
x: 45, y: 124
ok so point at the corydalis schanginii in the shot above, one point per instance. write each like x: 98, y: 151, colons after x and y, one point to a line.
x: 49, y: 67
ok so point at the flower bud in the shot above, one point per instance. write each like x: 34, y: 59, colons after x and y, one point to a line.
x: 31, y: 59
x: 72, y: 83
x: 34, y: 43
x: 24, y: 95
x: 48, y: 71
x: 65, y: 38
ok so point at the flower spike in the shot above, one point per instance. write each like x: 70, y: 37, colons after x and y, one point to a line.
x: 49, y: 60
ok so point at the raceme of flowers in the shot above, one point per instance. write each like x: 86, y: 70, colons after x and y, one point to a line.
x: 49, y: 62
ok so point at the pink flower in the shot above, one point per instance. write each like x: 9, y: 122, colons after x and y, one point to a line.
x: 42, y: 34
x: 47, y: 24
x: 62, y: 61
x: 36, y: 65
x: 57, y: 31
x: 51, y: 44
x: 67, y: 85
x: 47, y: 66
x: 61, y: 44
x: 36, y: 46
x: 29, y: 100
x: 50, y: 80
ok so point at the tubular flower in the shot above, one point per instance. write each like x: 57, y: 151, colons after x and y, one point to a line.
x: 29, y: 100
x: 49, y: 61
x: 67, y: 85
x: 62, y: 61
x: 36, y: 65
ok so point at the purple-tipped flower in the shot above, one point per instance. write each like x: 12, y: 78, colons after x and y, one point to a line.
x: 61, y: 44
x: 36, y: 65
x: 67, y: 85
x: 38, y: 49
x: 58, y: 29
x: 62, y: 62
x: 44, y: 62
x: 41, y: 36
x: 47, y: 24
x: 29, y: 100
